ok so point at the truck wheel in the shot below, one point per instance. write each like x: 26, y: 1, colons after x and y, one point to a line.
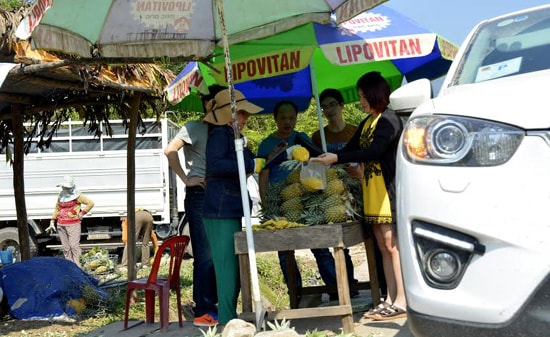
x: 9, y: 239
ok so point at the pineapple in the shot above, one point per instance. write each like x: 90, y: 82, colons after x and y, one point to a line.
x: 293, y: 177
x: 332, y: 173
x: 300, y: 153
x: 294, y: 190
x: 279, y: 223
x: 92, y: 296
x: 313, y: 212
x: 270, y: 205
x: 332, y: 201
x: 312, y: 184
x: 77, y: 305
x: 335, y: 186
x: 294, y: 215
x: 294, y: 204
x: 335, y: 214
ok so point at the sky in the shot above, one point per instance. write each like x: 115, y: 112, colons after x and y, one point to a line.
x: 454, y: 19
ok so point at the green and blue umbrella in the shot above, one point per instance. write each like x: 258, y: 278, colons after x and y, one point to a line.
x: 299, y: 63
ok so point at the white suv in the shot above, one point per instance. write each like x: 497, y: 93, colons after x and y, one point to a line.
x: 473, y: 186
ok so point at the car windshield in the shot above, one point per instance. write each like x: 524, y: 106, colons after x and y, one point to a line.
x: 507, y: 46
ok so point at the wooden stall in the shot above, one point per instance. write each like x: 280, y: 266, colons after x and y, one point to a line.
x: 335, y: 236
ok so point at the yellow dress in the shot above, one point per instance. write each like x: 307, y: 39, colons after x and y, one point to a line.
x: 376, y: 203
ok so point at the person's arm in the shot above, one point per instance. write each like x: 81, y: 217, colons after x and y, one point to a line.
x: 387, y: 129
x: 83, y: 199
x: 51, y: 228
x: 326, y: 159
x: 124, y: 226
x: 303, y: 139
x: 155, y: 241
x: 56, y: 210
x: 171, y: 153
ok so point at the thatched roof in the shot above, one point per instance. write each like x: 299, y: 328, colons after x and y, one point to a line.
x: 45, y: 88
x: 44, y: 81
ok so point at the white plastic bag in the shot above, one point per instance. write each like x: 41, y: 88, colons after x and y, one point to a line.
x: 313, y: 176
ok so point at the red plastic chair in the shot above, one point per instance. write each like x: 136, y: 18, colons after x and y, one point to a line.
x: 154, y: 286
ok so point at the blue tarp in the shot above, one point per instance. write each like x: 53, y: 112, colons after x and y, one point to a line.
x: 39, y: 288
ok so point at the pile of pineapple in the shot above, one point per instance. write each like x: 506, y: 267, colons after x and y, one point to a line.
x: 304, y: 201
x: 97, y: 261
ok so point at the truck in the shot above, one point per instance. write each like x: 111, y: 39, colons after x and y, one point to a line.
x: 98, y: 166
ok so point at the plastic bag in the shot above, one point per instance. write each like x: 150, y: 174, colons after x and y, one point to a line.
x: 313, y: 176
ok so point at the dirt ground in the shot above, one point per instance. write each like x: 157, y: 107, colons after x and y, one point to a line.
x: 50, y: 328
x: 26, y: 328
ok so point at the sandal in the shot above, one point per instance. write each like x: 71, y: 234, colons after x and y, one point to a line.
x: 373, y: 311
x: 389, y: 313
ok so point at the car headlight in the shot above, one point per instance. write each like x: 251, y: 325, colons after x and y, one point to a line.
x: 459, y: 141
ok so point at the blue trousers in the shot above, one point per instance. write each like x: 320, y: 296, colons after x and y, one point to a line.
x: 205, y: 294
x: 325, y: 263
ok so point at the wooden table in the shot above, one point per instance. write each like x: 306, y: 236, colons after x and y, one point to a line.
x: 338, y: 236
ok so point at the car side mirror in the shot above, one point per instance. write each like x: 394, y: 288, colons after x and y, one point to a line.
x: 406, y: 98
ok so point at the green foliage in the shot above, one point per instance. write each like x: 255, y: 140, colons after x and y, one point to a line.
x: 11, y: 4
x: 176, y: 68
x: 262, y: 125
x: 316, y: 333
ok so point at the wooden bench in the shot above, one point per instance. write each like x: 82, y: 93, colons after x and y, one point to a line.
x: 338, y: 236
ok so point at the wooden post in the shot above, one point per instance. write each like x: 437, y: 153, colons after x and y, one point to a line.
x: 19, y: 181
x: 131, y: 185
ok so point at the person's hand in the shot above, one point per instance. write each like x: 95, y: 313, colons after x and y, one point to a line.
x: 51, y: 229
x: 259, y: 164
x: 356, y: 170
x: 326, y: 159
x: 195, y: 181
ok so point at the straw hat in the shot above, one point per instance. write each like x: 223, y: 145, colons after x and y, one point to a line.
x: 219, y: 108
x: 68, y: 182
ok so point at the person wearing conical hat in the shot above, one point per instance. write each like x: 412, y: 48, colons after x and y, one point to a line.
x: 68, y: 213
x: 222, y: 208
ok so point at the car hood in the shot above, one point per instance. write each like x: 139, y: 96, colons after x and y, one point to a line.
x: 522, y: 100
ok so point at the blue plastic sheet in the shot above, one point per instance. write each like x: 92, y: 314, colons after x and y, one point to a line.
x: 39, y: 288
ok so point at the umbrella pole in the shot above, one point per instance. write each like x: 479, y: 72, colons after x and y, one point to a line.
x: 317, y: 104
x: 260, y: 311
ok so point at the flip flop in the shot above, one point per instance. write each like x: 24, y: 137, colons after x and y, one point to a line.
x: 374, y: 311
x: 389, y: 313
